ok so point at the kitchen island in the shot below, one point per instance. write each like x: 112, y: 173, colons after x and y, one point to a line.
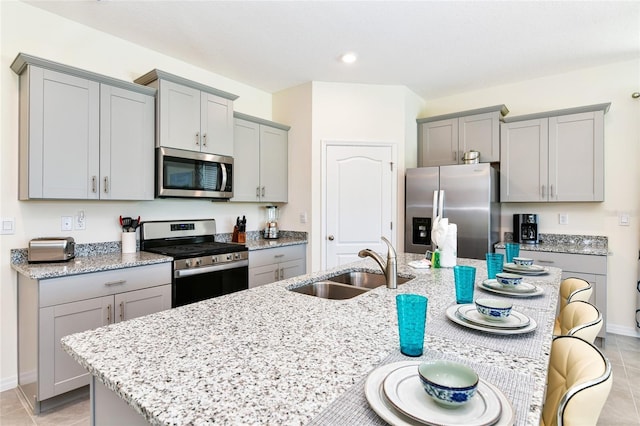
x: 271, y: 356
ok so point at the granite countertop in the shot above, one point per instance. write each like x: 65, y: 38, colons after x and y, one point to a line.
x: 89, y: 258
x: 97, y: 257
x: 560, y: 243
x: 267, y: 355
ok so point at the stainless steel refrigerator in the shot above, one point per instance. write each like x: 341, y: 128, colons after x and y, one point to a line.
x: 471, y: 201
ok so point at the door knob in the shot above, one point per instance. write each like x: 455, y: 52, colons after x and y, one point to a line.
x: 330, y: 237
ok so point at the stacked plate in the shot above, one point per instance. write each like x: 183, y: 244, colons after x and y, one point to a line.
x: 467, y: 316
x: 525, y: 270
x: 524, y: 289
x: 395, y: 393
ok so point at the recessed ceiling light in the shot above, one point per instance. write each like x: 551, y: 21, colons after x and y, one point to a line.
x: 349, y: 58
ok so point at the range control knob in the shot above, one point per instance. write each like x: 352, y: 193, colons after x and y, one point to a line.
x: 214, y: 259
x: 229, y: 257
x: 197, y: 262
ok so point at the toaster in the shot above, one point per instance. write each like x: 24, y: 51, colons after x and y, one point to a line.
x: 54, y: 249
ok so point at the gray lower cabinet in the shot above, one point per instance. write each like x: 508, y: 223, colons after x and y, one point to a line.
x: 443, y: 140
x: 592, y: 269
x: 556, y: 156
x: 275, y: 264
x: 106, y: 126
x: 260, y: 160
x: 49, y: 309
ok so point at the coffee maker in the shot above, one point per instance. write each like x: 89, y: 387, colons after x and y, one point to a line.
x: 525, y: 228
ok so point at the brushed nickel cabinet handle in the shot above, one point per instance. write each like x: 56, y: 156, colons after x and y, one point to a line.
x: 204, y: 139
x: 551, y: 191
x: 121, y: 311
x: 281, y: 273
x: 106, y: 184
x: 544, y: 194
x: 276, y: 274
x: 118, y: 282
x: 93, y: 184
x: 278, y: 255
x: 197, y: 138
x: 109, y: 314
x: 257, y: 191
x: 546, y: 261
x: 263, y: 191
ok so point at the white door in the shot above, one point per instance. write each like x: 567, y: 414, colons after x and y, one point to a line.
x: 360, y: 201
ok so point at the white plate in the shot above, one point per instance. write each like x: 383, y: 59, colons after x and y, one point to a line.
x: 525, y: 270
x: 404, y: 391
x: 486, y: 285
x: 374, y: 393
x: 514, y: 320
x: 523, y: 287
x: 452, y: 314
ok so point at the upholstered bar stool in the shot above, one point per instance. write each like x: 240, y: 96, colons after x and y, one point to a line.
x: 578, y: 383
x: 580, y: 319
x: 572, y: 289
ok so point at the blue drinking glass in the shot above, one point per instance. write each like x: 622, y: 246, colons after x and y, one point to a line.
x: 412, y: 316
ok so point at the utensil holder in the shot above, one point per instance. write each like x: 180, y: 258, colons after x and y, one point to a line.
x: 129, y: 242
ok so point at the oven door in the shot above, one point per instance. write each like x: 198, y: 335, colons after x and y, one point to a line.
x: 193, y: 174
x: 194, y: 285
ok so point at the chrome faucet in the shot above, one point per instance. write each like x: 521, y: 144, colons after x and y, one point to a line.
x: 390, y: 269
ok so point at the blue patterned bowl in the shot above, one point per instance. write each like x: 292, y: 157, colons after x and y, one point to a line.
x: 494, y: 309
x: 508, y: 279
x: 523, y: 261
x: 449, y: 384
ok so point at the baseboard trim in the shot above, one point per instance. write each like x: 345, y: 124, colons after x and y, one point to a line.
x: 7, y: 383
x: 622, y: 330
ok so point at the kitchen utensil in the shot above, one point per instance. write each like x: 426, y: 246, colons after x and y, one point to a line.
x: 125, y: 223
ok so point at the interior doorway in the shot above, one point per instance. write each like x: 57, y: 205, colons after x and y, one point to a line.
x: 359, y: 200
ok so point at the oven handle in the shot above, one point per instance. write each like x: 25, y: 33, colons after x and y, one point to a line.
x: 213, y: 268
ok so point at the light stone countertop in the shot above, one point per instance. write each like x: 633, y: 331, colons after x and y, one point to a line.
x: 560, y: 243
x: 271, y: 356
x: 86, y: 264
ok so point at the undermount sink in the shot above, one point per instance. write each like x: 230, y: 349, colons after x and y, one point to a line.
x: 364, y: 279
x: 330, y: 290
x: 345, y: 286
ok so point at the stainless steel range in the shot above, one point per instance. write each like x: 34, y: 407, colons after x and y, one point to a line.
x: 202, y: 268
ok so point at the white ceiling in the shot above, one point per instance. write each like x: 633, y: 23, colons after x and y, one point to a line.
x: 436, y: 48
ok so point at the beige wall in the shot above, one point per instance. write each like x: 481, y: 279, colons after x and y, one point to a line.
x: 33, y: 31
x: 612, y: 83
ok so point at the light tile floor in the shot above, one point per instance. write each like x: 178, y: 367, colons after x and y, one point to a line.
x: 622, y: 407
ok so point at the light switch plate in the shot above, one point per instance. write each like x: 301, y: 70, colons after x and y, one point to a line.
x: 66, y: 223
x: 623, y: 219
x: 563, y: 218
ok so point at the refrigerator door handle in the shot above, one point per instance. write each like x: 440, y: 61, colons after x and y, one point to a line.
x: 438, y: 204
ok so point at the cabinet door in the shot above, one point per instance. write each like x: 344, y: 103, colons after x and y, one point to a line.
x: 59, y: 372
x: 216, y: 125
x: 523, y: 161
x: 246, y: 161
x: 262, y: 275
x: 126, y: 144
x: 63, y: 129
x: 480, y: 133
x: 576, y: 157
x: 438, y: 143
x: 292, y: 268
x: 273, y: 164
x: 179, y: 116
x: 137, y: 303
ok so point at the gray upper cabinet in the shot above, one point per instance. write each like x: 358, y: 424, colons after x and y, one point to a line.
x: 192, y: 116
x: 556, y: 156
x: 443, y: 140
x: 260, y: 161
x: 105, y: 125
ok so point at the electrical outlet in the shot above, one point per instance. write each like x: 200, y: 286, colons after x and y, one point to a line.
x: 66, y: 223
x: 623, y: 219
x: 564, y: 218
x: 303, y: 217
x: 8, y: 225
x: 81, y: 223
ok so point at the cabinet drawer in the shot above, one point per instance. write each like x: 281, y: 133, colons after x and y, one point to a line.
x: 582, y: 263
x: 85, y: 286
x: 276, y: 255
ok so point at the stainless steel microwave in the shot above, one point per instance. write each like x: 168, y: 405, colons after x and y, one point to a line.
x: 193, y: 174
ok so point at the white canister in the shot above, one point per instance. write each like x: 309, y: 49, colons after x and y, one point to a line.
x: 129, y: 242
